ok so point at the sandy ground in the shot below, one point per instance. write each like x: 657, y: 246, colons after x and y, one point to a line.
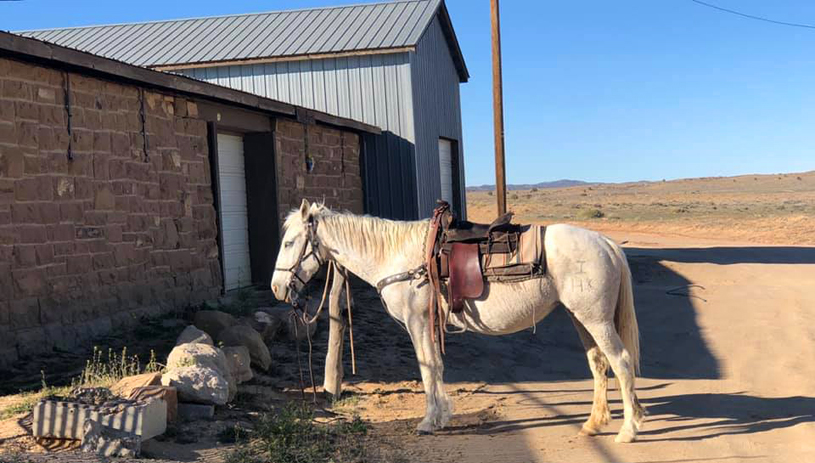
x: 728, y: 338
x: 767, y: 209
x: 727, y: 369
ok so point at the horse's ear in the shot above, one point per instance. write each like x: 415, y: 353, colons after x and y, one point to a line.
x: 304, y: 209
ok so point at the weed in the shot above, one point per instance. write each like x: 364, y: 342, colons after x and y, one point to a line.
x: 291, y: 435
x: 104, y: 371
x: 347, y: 402
x: 232, y: 434
x: 100, y: 371
x: 29, y: 399
x: 591, y: 214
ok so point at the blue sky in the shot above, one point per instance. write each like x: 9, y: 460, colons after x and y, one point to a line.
x: 594, y: 90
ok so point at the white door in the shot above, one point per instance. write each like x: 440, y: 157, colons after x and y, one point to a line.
x: 446, y: 169
x: 234, y: 220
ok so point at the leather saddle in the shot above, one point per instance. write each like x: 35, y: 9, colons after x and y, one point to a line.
x: 464, y: 231
x: 459, y: 247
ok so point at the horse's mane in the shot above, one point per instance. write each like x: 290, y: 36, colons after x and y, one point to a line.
x: 374, y: 236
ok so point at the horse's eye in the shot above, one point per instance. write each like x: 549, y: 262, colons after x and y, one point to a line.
x: 288, y: 244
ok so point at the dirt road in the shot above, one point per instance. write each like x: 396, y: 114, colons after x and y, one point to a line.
x: 728, y: 335
x: 728, y: 341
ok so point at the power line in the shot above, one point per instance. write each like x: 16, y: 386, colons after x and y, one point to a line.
x: 759, y: 18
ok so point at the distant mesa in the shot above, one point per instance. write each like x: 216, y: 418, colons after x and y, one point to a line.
x: 555, y: 184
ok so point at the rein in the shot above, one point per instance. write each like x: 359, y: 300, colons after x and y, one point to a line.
x: 428, y: 271
x: 313, y: 242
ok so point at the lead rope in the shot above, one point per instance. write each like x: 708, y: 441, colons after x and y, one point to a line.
x: 332, y: 267
x: 350, y: 323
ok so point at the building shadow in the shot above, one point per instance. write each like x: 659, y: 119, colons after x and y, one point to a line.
x: 707, y: 415
x: 725, y: 414
x: 728, y: 255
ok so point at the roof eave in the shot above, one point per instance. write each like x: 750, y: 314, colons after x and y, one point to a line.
x: 452, y: 41
x: 29, y: 49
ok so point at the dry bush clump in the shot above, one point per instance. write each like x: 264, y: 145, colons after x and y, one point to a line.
x: 292, y: 436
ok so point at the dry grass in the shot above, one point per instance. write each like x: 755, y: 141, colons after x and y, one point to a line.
x: 101, y: 370
x: 291, y: 435
x: 770, y: 209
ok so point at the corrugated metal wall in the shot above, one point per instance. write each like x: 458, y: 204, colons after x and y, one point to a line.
x: 375, y: 89
x: 437, y: 105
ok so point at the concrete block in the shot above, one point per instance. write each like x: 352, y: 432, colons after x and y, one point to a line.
x: 66, y: 420
x: 194, y: 412
x: 166, y: 393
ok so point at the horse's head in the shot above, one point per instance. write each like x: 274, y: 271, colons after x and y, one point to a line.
x: 300, y: 255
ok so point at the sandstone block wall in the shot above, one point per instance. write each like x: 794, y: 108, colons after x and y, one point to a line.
x: 335, y: 178
x: 86, y: 244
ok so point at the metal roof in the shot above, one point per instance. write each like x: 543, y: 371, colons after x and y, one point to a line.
x: 40, y: 52
x: 247, y: 37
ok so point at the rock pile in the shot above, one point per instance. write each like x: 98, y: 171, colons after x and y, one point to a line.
x: 210, y: 358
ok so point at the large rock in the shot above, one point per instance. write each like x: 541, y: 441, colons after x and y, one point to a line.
x: 196, y: 354
x: 204, y: 356
x: 105, y: 441
x: 213, y: 321
x: 126, y: 385
x: 242, y: 335
x: 191, y: 334
x: 198, y: 384
x: 238, y: 361
x: 267, y: 325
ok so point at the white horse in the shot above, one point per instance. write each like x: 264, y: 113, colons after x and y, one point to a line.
x: 586, y: 272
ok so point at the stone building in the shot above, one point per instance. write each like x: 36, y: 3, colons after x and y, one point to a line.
x: 126, y: 191
x: 394, y: 64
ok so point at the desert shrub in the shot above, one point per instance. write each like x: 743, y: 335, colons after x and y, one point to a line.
x: 105, y: 370
x: 490, y: 193
x: 592, y: 213
x: 292, y: 436
x: 513, y: 196
x: 533, y: 190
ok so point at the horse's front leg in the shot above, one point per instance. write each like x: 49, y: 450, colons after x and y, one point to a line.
x: 439, y: 406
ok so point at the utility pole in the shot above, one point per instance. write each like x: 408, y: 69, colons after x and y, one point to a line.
x: 498, y: 110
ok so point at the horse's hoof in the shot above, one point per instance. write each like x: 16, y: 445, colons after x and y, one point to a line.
x: 625, y: 437
x: 587, y: 432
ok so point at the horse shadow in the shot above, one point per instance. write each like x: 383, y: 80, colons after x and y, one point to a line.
x: 672, y: 343
x: 709, y: 415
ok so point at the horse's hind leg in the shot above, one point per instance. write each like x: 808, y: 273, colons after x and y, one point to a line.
x: 598, y: 364
x: 609, y: 342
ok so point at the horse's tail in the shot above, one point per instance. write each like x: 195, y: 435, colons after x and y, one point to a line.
x: 625, y: 319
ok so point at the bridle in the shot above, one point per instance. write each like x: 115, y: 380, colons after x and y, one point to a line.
x: 313, y: 242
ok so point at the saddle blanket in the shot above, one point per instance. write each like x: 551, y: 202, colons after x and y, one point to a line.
x: 516, y: 255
